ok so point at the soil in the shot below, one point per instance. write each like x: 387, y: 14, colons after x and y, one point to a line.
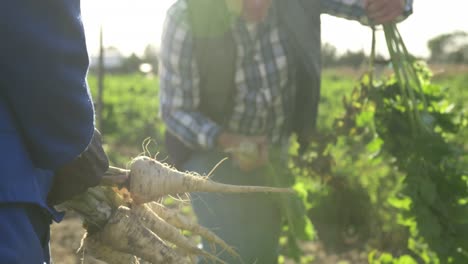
x: 65, y: 240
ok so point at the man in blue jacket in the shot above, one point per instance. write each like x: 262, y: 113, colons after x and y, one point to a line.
x: 49, y: 150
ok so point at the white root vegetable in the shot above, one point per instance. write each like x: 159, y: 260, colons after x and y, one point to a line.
x: 150, y: 180
x: 179, y: 221
x: 169, y: 233
x: 118, y: 233
x: 126, y: 233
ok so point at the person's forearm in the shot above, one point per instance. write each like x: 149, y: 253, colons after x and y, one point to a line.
x: 387, y: 11
x: 193, y: 128
x: 369, y: 12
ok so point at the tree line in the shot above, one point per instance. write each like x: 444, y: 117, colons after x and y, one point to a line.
x: 449, y: 48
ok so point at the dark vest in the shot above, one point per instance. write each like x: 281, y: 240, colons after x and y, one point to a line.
x: 301, y: 18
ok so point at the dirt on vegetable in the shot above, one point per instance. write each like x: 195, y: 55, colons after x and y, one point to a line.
x: 66, y: 238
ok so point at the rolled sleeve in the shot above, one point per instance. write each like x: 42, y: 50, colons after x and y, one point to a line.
x: 355, y: 10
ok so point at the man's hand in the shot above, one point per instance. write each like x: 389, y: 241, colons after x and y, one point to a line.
x: 384, y: 11
x: 248, y: 152
x: 83, y: 172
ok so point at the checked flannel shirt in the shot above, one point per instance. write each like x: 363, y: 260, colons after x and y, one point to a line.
x: 264, y: 76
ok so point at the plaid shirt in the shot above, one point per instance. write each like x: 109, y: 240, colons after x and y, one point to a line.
x: 264, y: 77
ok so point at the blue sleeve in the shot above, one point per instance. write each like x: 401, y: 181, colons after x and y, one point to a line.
x: 43, y: 67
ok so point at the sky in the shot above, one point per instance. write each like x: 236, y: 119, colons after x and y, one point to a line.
x: 130, y: 25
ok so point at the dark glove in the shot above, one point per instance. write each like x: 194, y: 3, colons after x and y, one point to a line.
x: 83, y: 172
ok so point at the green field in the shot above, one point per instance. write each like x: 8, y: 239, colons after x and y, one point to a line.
x: 359, y: 211
x: 130, y: 112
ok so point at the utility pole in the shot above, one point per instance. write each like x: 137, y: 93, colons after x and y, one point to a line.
x: 101, y: 73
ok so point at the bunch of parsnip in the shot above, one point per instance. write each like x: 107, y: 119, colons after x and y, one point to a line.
x: 129, y: 225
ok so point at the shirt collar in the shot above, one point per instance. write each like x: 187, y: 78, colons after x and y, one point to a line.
x: 270, y: 19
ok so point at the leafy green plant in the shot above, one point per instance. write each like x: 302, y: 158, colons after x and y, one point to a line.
x: 389, y: 259
x: 416, y: 124
x: 349, y: 185
x: 417, y: 133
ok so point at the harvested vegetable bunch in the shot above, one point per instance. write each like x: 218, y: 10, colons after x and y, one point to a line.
x: 121, y: 230
x: 416, y: 123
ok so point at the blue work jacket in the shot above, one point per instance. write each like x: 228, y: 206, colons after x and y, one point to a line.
x: 46, y: 112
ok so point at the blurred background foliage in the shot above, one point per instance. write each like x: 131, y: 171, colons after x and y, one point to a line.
x: 353, y: 194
